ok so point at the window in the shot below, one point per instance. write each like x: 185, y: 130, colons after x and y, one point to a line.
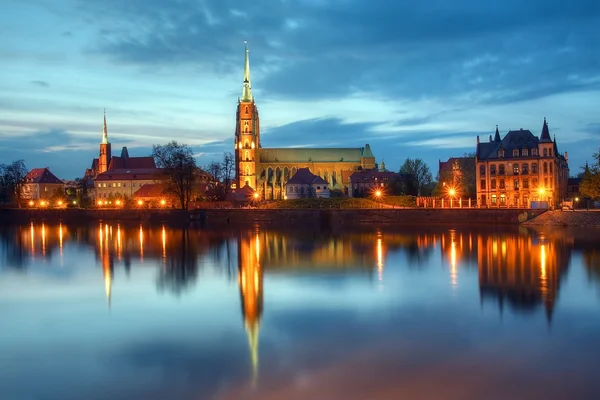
x: 525, y: 201
x: 119, y: 184
x: 501, y: 169
x: 524, y: 152
x: 494, y: 199
x: 492, y: 170
x: 516, y: 184
x: 534, y: 168
x: 516, y: 200
x: 545, y: 182
x: 482, y: 170
x: 247, y: 155
x: 247, y: 170
x: 550, y: 168
x: 482, y: 184
x: 525, y: 183
x: 550, y: 152
x: 500, y: 153
x: 502, y: 184
x: 534, y: 152
x: 525, y: 169
x: 493, y: 185
x: 124, y: 185
x: 502, y: 199
x: 246, y: 109
x: 534, y: 182
x: 545, y: 167
x: 545, y: 152
x: 516, y: 169
x: 515, y: 153
x: 318, y: 187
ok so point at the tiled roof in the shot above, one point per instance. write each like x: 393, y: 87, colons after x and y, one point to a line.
x: 242, y: 194
x: 151, y: 190
x: 304, y: 177
x: 521, y: 139
x: 130, y: 174
x: 297, y: 155
x: 41, y: 175
x: 131, y: 163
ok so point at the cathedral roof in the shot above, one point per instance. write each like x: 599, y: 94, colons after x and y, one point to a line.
x: 301, y: 154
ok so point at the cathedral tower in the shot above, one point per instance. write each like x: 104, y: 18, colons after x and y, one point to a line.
x: 105, y: 154
x: 247, y: 133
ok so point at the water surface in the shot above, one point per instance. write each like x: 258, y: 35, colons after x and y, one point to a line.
x: 108, y: 311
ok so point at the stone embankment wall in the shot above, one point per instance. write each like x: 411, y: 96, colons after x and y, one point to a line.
x: 579, y: 218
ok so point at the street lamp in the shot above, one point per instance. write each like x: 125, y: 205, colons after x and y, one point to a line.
x: 163, y: 202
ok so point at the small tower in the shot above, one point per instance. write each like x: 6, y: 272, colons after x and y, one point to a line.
x: 247, y: 133
x: 382, y: 166
x: 367, y: 159
x: 105, y: 153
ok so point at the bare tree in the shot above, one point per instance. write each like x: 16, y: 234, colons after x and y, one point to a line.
x: 214, y: 168
x: 11, y: 181
x: 179, y: 165
x: 228, y: 171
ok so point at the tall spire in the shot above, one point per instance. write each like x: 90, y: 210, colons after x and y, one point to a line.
x: 104, y: 130
x: 545, y: 137
x: 497, y: 136
x: 247, y: 90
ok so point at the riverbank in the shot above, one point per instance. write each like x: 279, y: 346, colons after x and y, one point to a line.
x: 579, y: 218
x: 278, y: 217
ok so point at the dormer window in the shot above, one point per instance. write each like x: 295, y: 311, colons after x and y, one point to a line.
x: 545, y: 152
x: 500, y: 153
x: 524, y: 152
x: 515, y: 153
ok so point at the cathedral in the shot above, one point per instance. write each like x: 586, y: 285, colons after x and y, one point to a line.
x: 267, y: 170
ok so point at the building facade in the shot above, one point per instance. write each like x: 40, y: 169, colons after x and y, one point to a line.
x: 364, y: 183
x: 124, y: 182
x: 267, y: 170
x: 519, y: 169
x: 40, y: 183
x: 306, y: 184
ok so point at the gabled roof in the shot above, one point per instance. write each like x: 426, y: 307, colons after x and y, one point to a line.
x: 131, y: 163
x: 242, y: 194
x: 41, y: 175
x: 521, y: 139
x: 304, y: 177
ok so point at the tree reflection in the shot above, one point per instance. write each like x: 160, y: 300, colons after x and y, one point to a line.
x: 181, y: 269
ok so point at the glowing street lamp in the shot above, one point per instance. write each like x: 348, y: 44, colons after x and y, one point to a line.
x: 163, y: 202
x: 60, y: 203
x: 31, y: 203
x: 118, y: 202
x: 99, y: 202
x: 140, y: 202
x: 452, y: 192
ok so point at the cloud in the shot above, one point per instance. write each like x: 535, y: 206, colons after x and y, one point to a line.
x: 43, y: 84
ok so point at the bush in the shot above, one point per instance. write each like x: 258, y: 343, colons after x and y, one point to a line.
x: 400, y: 201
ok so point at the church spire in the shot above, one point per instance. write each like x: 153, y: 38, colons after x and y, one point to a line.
x: 247, y: 90
x: 104, y: 130
x: 497, y: 136
x: 545, y: 137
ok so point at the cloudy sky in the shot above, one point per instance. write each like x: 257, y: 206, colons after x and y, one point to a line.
x: 413, y: 79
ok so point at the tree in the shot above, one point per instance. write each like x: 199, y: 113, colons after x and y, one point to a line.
x: 590, y: 181
x: 418, y: 175
x: 11, y: 181
x: 178, y: 163
x: 214, y: 168
x: 461, y: 176
x: 228, y: 171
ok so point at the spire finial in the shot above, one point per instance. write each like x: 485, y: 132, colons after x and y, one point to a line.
x: 104, y: 130
x: 247, y: 89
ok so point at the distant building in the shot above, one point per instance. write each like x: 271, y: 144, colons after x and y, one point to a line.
x: 268, y: 170
x: 520, y: 168
x: 124, y: 182
x: 40, y: 183
x: 573, y: 187
x: 364, y: 183
x: 458, y: 173
x: 305, y: 184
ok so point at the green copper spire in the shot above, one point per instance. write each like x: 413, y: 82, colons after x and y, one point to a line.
x: 104, y: 131
x: 247, y: 90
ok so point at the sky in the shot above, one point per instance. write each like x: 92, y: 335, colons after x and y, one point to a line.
x: 412, y: 79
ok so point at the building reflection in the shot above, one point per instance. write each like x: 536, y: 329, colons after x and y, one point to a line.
x: 250, y: 281
x: 523, y: 270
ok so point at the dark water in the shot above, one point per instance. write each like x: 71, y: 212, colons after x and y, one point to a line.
x: 115, y: 312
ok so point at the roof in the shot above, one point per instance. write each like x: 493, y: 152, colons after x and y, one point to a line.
x: 130, y: 174
x: 366, y: 151
x: 245, y: 193
x: 131, y: 162
x: 521, y: 139
x: 42, y: 175
x: 372, y: 174
x: 304, y: 177
x: 346, y: 176
x: 302, y: 154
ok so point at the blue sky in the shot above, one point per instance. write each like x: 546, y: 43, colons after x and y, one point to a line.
x: 413, y: 79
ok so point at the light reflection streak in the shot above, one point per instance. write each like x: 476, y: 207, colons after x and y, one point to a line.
x: 43, y: 239
x: 141, y: 243
x: 453, y: 272
x: 543, y: 276
x: 119, y: 243
x: 60, y: 242
x: 379, y: 259
x: 164, y: 244
x: 32, y: 242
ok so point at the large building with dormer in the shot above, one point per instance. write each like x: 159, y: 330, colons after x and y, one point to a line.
x: 520, y: 168
x: 267, y: 170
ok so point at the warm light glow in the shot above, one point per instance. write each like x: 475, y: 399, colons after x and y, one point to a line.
x: 164, y: 243
x: 43, y: 203
x: 99, y: 202
x: 541, y: 190
x: 576, y: 198
x: 119, y: 243
x: 252, y: 144
x: 256, y: 195
x: 543, y: 277
x: 140, y: 202
x: 452, y: 192
x: 378, y: 193
x: 31, y: 202
x: 453, y: 264
x: 379, y: 259
x: 118, y: 202
x: 141, y: 242
x: 43, y: 239
x: 74, y: 202
x: 163, y: 202
x: 60, y: 238
x: 60, y: 203
x: 32, y: 241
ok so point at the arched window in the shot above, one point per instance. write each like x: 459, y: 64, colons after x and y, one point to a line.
x: 247, y: 170
x: 247, y: 155
x: 246, y: 109
x: 246, y: 145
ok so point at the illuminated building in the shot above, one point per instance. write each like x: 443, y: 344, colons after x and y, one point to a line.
x: 267, y: 170
x: 40, y: 183
x: 520, y: 168
x: 250, y: 280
